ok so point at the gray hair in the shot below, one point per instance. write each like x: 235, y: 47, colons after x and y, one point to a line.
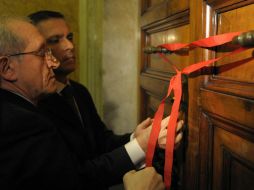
x: 10, y: 41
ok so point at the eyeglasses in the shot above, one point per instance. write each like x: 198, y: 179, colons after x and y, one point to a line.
x: 41, y: 53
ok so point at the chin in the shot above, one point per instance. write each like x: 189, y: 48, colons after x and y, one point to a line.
x: 51, y: 89
x: 65, y: 71
x: 70, y: 68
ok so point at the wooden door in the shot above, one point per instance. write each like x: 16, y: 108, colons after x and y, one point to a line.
x: 219, y: 151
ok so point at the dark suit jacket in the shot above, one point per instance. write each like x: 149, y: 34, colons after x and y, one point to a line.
x: 33, y: 154
x: 100, y: 154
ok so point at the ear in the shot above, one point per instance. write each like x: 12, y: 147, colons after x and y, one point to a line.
x: 7, y: 69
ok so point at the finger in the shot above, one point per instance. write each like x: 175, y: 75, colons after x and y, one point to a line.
x: 158, y: 177
x: 132, y: 171
x: 178, y: 137
x: 146, y: 122
x: 162, y: 138
x: 163, y: 132
x: 159, y: 182
x: 152, y: 169
x: 179, y: 125
x: 164, y: 122
x: 129, y: 173
x: 161, y: 186
x: 162, y: 146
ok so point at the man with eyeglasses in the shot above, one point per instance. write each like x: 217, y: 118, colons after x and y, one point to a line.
x: 102, y: 156
x: 33, y: 155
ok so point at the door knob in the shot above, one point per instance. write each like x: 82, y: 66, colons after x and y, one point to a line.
x: 245, y: 39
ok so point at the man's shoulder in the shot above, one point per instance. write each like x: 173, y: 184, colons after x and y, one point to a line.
x: 20, y: 117
x: 11, y: 101
x: 76, y: 84
x: 78, y: 87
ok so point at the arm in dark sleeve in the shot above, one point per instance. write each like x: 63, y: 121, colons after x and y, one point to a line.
x: 107, y: 140
x: 33, y: 156
x: 106, y: 169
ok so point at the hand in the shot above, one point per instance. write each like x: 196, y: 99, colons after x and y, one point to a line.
x: 142, y: 133
x: 143, y: 130
x: 163, y: 133
x: 146, y: 179
x: 179, y: 133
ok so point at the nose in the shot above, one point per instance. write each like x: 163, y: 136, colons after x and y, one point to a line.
x: 68, y: 44
x: 52, y: 62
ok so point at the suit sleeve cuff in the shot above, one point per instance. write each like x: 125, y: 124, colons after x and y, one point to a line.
x: 135, y: 152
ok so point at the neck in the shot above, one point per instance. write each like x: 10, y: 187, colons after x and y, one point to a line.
x: 61, y: 78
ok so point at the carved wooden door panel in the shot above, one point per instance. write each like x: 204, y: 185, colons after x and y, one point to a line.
x: 226, y: 124
x: 220, y: 115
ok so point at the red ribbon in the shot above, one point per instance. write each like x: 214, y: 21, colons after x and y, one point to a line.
x: 176, y: 86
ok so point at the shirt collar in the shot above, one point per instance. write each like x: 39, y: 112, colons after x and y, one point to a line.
x: 20, y: 95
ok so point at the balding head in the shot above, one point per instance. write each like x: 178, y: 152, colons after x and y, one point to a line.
x: 10, y: 39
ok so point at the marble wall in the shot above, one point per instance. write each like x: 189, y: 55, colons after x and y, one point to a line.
x: 120, y: 64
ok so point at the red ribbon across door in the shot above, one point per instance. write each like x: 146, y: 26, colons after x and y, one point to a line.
x: 175, y: 85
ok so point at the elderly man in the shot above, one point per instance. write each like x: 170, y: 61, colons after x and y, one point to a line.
x: 103, y: 157
x: 32, y: 153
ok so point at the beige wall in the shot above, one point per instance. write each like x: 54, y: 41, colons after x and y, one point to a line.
x: 70, y: 8
x: 120, y: 64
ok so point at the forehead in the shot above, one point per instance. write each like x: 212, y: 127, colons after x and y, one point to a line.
x: 29, y: 33
x: 53, y: 26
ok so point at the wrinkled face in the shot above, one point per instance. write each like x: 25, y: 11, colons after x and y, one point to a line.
x: 60, y: 40
x: 35, y: 76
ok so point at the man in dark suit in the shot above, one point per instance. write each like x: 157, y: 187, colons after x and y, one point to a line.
x: 102, y: 156
x: 32, y: 153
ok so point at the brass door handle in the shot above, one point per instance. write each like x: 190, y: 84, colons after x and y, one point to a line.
x: 245, y: 39
x: 152, y: 49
